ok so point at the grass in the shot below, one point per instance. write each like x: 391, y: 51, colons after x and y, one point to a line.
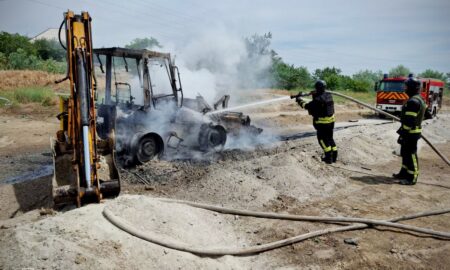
x: 446, y: 92
x: 367, y: 97
x: 14, y: 79
x: 42, y: 95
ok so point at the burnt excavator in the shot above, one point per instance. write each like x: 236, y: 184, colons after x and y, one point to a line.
x: 84, y: 164
x: 140, y: 96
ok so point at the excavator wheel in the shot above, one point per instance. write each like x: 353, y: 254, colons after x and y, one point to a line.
x: 211, y: 137
x: 145, y: 147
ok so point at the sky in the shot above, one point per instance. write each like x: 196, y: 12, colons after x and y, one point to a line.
x: 351, y: 35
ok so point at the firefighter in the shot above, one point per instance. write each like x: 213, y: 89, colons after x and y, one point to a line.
x: 322, y: 110
x: 410, y: 132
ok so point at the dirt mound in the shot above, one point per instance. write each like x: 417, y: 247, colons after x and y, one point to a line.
x: 286, y: 176
x: 85, y: 238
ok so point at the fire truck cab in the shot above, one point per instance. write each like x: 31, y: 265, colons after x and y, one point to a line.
x: 391, y: 94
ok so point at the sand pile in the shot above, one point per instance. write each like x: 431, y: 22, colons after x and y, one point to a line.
x: 281, y: 178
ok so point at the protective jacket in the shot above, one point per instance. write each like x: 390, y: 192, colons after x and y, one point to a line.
x: 410, y: 132
x: 321, y: 108
x: 412, y: 115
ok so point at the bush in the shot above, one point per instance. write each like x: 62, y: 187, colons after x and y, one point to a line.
x: 9, y: 43
x: 21, y: 60
x: 17, y: 52
x: 361, y: 86
x: 42, y: 95
x: 49, y: 49
x: 290, y: 77
x: 52, y: 66
x: 332, y: 81
x: 3, y: 61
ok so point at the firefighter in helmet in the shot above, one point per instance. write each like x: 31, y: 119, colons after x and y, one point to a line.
x: 410, y: 132
x: 322, y: 110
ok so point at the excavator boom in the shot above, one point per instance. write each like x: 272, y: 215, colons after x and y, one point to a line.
x: 85, y: 170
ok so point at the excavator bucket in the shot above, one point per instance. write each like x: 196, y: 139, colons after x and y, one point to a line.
x: 66, y: 180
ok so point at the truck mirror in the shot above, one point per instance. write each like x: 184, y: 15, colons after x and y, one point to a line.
x: 375, y: 88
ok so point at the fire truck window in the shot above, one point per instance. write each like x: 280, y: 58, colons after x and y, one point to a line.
x: 396, y: 86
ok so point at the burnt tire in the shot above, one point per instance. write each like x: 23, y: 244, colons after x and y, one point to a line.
x: 146, y: 147
x: 211, y: 137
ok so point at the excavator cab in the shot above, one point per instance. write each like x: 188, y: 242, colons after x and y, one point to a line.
x: 142, y: 119
x: 151, y: 77
x: 84, y: 164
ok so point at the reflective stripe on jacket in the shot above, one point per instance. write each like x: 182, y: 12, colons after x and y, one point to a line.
x: 412, y: 115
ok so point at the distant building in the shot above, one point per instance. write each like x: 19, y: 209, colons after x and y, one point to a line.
x: 49, y: 34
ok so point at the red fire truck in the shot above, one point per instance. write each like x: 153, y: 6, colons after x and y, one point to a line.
x: 391, y: 94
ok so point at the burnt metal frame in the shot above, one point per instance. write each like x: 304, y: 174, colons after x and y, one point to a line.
x: 138, y: 55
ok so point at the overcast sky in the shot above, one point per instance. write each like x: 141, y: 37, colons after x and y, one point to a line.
x: 351, y: 35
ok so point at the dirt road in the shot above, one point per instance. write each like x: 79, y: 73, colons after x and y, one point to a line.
x: 285, y: 176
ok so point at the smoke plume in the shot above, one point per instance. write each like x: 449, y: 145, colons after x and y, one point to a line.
x: 220, y: 62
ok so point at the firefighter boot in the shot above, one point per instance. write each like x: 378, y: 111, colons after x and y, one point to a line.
x: 407, y: 182
x: 401, y: 175
x: 328, y: 159
x: 334, y: 155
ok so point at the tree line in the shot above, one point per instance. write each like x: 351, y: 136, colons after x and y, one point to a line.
x: 18, y: 52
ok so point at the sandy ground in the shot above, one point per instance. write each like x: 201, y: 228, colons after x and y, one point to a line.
x: 285, y: 177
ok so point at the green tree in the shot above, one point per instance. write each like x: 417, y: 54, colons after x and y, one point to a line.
x: 333, y: 81
x: 49, y: 49
x: 345, y: 82
x: 290, y: 77
x: 361, y: 86
x: 332, y: 76
x: 429, y: 73
x: 9, y: 43
x: 399, y: 71
x: 368, y: 76
x: 321, y: 74
x: 3, y: 61
x: 143, y: 43
x: 20, y: 59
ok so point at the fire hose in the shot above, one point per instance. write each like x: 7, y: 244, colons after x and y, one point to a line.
x: 7, y: 101
x: 445, y: 159
x: 361, y: 223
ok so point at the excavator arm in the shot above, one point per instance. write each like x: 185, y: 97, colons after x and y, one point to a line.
x: 85, y: 170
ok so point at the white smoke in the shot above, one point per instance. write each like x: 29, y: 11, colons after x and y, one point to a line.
x: 212, y: 64
x: 218, y: 62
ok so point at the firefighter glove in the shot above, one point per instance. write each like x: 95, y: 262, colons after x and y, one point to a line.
x: 300, y: 101
x: 401, y: 131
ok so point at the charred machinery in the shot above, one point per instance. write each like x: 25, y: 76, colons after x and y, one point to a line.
x: 141, y: 99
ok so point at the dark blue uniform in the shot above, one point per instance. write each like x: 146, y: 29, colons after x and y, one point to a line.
x: 410, y: 132
x: 322, y: 110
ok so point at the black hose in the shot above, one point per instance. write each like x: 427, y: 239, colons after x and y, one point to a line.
x: 59, y: 34
x: 67, y: 57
